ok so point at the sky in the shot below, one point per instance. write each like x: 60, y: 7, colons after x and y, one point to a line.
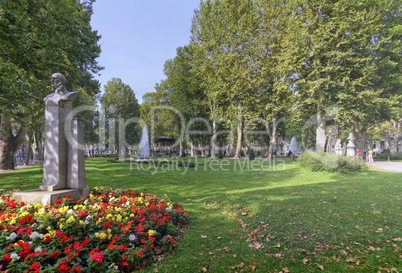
x: 138, y: 37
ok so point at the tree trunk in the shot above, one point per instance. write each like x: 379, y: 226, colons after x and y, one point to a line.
x: 360, y: 136
x: 192, y: 152
x: 239, y: 138
x: 181, y: 147
x: 213, y: 142
x: 39, y: 146
x: 28, y: 150
x: 267, y: 140
x: 9, y: 143
x: 394, y: 137
x: 272, y: 140
x: 320, y: 132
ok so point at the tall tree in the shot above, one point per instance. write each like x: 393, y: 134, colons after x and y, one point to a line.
x: 121, y: 112
x: 184, y: 86
x: 38, y: 39
x: 225, y: 32
x: 336, y: 48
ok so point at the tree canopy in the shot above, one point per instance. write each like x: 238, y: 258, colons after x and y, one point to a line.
x: 40, y: 38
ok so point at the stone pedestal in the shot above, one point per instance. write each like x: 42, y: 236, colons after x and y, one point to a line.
x: 338, y: 148
x: 57, y: 107
x: 350, y: 148
x: 75, y: 156
x: 48, y: 197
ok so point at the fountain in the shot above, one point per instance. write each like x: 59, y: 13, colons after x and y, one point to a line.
x: 144, y: 143
x: 293, y: 146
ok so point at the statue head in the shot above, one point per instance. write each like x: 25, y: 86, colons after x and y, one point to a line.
x: 58, y: 82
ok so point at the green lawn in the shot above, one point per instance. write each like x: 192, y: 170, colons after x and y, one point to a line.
x: 252, y: 216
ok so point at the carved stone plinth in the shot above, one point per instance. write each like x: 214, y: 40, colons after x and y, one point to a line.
x: 48, y: 197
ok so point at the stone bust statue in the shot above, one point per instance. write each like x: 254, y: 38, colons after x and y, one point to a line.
x: 58, y: 82
x: 58, y: 85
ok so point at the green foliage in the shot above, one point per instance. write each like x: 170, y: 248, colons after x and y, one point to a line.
x: 387, y: 155
x: 120, y: 107
x: 39, y: 38
x: 251, y: 154
x: 319, y: 162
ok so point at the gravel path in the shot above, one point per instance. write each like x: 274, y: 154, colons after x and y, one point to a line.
x: 389, y: 166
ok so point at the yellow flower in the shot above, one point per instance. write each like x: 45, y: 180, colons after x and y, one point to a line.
x: 63, y: 210
x: 109, y: 216
x: 61, y: 226
x: 109, y: 230
x: 151, y: 232
x: 51, y: 233
x: 101, y: 235
x: 70, y: 219
x: 118, y: 218
x: 12, y: 222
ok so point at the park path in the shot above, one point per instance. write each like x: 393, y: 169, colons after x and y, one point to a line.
x: 389, y: 166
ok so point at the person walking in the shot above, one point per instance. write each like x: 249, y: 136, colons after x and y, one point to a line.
x: 370, y: 156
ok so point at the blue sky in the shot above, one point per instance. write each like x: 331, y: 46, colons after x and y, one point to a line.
x: 138, y: 37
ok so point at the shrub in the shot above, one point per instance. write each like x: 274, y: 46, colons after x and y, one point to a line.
x: 220, y: 155
x: 251, y: 155
x: 385, y: 155
x: 319, y: 162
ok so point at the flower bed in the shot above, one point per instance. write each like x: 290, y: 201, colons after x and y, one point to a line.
x: 110, y: 231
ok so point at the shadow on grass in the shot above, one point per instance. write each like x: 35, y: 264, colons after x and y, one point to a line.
x: 290, y: 212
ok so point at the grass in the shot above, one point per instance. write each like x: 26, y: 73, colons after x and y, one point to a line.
x: 252, y: 216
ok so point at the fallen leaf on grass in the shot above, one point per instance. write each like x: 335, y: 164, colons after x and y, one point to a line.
x: 320, y: 266
x: 275, y: 255
x: 305, y: 261
x: 386, y: 269
x: 285, y: 270
x: 203, y: 236
x: 256, y: 245
x: 373, y: 248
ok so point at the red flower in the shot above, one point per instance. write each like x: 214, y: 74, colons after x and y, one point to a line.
x: 34, y: 266
x: 111, y: 246
x: 55, y: 254
x: 7, y: 258
x: 98, y: 257
x: 76, y: 269
x: 63, y: 268
x: 123, y: 248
